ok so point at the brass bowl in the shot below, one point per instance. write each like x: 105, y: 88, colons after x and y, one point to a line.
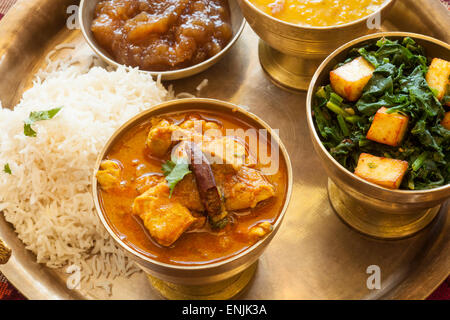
x: 367, y: 207
x: 290, y: 53
x: 86, y: 15
x: 223, y: 279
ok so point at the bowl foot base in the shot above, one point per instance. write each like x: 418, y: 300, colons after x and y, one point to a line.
x: 288, y: 72
x: 222, y: 290
x: 377, y: 224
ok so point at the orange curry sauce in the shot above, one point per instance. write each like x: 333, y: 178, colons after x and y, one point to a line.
x: 199, y: 246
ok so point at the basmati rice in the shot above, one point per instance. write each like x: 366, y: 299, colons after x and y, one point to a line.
x: 47, y: 197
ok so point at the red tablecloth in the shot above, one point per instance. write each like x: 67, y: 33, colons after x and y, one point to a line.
x: 8, y: 292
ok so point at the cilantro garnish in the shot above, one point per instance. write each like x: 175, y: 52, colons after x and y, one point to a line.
x: 37, y: 116
x: 174, y: 172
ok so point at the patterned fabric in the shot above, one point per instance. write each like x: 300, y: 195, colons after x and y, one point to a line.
x: 5, y: 5
x: 8, y: 292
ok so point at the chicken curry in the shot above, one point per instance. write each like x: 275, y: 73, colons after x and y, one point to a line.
x: 181, y: 189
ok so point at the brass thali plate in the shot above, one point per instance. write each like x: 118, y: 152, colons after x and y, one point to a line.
x: 314, y: 255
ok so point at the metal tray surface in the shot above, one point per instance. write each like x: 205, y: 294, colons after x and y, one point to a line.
x: 314, y: 255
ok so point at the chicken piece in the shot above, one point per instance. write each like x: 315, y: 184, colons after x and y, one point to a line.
x: 186, y: 193
x: 200, y: 131
x: 109, y: 175
x: 225, y: 150
x: 199, y: 223
x: 159, y: 138
x: 388, y: 128
x: 260, y: 230
x: 437, y: 76
x: 146, y: 181
x: 199, y: 126
x: 385, y: 172
x: 165, y: 218
x: 349, y: 80
x: 163, y: 135
x: 245, y: 189
x: 446, y: 121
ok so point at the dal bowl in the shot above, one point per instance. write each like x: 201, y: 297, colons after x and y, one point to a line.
x: 291, y: 53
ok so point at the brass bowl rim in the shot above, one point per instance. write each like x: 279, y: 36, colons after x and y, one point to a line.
x: 318, y: 28
x: 309, y: 99
x: 202, y: 102
x: 172, y: 74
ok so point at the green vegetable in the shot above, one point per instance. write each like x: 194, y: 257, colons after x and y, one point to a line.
x: 336, y: 109
x: 175, y: 171
x: 399, y: 84
x: 419, y: 161
x: 220, y: 224
x: 7, y: 169
x: 37, y: 116
x: 343, y: 125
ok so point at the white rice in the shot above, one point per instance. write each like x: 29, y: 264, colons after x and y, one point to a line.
x: 47, y: 197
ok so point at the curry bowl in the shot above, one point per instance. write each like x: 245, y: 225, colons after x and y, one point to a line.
x: 290, y: 53
x: 86, y: 17
x: 178, y: 264
x: 370, y: 208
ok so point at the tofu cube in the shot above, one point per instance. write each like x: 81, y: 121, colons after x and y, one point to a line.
x: 350, y: 79
x: 437, y: 76
x: 446, y: 121
x: 388, y: 128
x: 384, y: 172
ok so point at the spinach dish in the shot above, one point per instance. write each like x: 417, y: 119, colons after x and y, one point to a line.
x: 385, y: 115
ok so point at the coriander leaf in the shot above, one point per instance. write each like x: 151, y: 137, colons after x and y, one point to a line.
x: 167, y: 167
x: 28, y: 131
x: 175, y: 172
x: 7, y: 169
x: 38, y: 116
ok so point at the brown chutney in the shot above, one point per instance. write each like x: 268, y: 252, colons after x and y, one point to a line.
x: 162, y: 35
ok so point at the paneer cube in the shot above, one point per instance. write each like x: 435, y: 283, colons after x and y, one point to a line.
x: 385, y: 172
x: 388, y: 128
x: 350, y: 79
x: 437, y: 76
x: 446, y: 121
